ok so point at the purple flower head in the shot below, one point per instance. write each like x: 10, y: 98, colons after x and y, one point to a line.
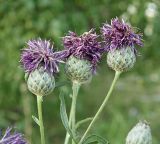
x: 40, y: 53
x: 12, y: 138
x: 85, y: 46
x: 119, y: 35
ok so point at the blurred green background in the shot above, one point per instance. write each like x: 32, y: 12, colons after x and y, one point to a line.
x: 137, y: 93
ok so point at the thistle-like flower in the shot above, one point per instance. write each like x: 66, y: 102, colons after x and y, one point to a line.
x: 12, y: 138
x: 84, y: 54
x: 120, y: 40
x: 140, y: 134
x: 40, y: 62
x: 40, y: 53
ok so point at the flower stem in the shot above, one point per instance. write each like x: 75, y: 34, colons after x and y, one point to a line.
x: 39, y: 106
x: 72, y: 116
x: 117, y: 74
x: 67, y: 134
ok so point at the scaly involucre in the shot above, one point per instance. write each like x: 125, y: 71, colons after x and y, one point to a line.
x: 12, y: 138
x: 85, y: 46
x: 119, y: 35
x: 40, y: 53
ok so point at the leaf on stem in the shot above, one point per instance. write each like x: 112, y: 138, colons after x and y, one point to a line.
x: 36, y: 120
x: 64, y: 117
x: 95, y: 139
x: 79, y: 123
x: 26, y: 76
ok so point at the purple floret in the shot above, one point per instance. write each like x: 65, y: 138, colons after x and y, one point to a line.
x: 40, y: 53
x: 118, y: 35
x: 12, y: 138
x: 85, y: 46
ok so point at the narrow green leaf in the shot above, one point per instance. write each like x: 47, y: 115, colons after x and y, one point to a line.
x: 83, y: 122
x: 36, y: 120
x: 96, y: 139
x: 64, y: 117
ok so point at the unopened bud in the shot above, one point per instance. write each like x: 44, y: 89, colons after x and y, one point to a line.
x: 140, y: 134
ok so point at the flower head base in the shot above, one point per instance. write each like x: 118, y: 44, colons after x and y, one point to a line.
x: 122, y: 59
x: 12, y: 138
x: 40, y: 82
x: 79, y: 71
x: 40, y: 53
x: 84, y: 47
x: 140, y: 134
x: 120, y: 35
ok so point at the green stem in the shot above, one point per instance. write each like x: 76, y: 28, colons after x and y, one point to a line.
x: 67, y: 134
x: 39, y: 106
x: 70, y: 121
x: 72, y: 117
x: 117, y: 74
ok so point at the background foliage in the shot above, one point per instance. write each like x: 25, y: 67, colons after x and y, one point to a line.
x: 137, y: 94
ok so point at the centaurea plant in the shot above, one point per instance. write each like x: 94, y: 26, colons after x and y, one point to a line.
x: 81, y: 55
x: 84, y: 52
x: 40, y: 63
x: 120, y: 40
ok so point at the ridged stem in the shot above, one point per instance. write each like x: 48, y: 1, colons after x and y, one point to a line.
x: 117, y: 74
x: 67, y: 134
x: 72, y: 117
x: 39, y: 106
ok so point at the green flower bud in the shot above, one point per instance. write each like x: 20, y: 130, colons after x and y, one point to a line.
x: 78, y: 70
x: 121, y: 59
x: 40, y: 82
x: 140, y: 134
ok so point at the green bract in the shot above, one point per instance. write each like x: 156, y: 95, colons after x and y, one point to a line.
x: 78, y: 70
x: 40, y: 82
x: 121, y: 59
x: 140, y: 134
